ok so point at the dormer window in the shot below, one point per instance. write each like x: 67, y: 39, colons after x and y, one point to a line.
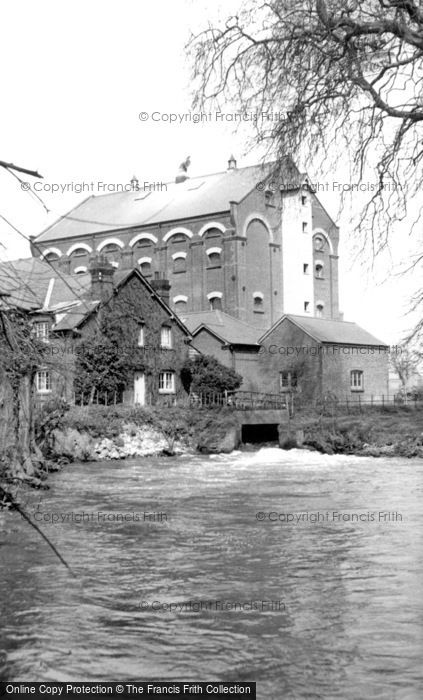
x: 42, y: 330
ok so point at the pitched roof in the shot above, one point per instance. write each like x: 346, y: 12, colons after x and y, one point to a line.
x: 34, y: 285
x: 327, y: 331
x: 197, y: 196
x: 31, y: 282
x: 227, y: 328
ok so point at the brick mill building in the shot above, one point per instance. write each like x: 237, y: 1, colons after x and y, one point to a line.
x: 243, y: 248
x: 239, y: 240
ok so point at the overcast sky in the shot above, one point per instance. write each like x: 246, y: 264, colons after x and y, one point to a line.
x: 75, y: 77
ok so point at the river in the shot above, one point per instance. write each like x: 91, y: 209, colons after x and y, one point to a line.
x: 318, y: 596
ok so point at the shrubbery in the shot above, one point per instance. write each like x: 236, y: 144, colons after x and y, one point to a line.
x: 205, y: 374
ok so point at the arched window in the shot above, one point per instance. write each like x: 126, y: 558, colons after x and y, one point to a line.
x: 214, y: 256
x: 51, y: 257
x: 111, y: 251
x: 145, y: 266
x: 215, y: 301
x: 258, y: 301
x: 78, y: 253
x: 180, y: 303
x: 318, y: 270
x: 319, y: 310
x: 212, y: 234
x: 179, y: 262
x: 81, y: 270
x: 319, y: 243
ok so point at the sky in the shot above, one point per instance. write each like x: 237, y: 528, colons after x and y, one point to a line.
x: 75, y: 78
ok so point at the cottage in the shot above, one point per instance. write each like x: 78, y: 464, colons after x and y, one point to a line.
x: 71, y: 315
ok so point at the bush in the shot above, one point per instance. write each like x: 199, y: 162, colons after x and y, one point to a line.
x: 205, y: 374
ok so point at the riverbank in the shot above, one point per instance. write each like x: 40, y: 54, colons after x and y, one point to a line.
x: 100, y: 433
x: 389, y: 432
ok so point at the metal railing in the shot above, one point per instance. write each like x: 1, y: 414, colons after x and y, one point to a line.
x: 240, y: 400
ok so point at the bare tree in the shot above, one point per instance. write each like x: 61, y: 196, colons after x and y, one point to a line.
x: 346, y: 76
x: 405, y: 362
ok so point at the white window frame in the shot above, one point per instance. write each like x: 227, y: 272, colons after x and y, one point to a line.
x: 167, y: 382
x: 141, y: 335
x: 42, y: 330
x: 359, y: 374
x: 166, y: 337
x: 43, y: 381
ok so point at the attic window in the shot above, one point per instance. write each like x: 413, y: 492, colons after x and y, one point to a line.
x: 42, y: 330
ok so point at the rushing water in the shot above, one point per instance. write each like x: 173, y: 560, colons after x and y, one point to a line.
x: 346, y: 619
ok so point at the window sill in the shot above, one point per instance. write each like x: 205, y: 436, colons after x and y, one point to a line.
x: 166, y: 391
x: 357, y: 391
x: 214, y: 267
x: 44, y: 391
x: 257, y: 311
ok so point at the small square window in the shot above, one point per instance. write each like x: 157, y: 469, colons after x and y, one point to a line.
x: 307, y: 306
x: 305, y: 268
x: 303, y: 200
x: 305, y: 227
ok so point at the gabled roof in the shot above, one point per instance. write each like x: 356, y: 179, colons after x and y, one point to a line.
x: 198, y: 196
x: 79, y: 313
x: 34, y: 285
x: 226, y: 328
x: 327, y: 331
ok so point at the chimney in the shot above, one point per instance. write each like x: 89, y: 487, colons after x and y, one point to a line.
x: 232, y: 163
x: 101, y: 272
x: 162, y: 287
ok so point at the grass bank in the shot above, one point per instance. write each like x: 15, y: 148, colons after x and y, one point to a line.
x: 376, y: 432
